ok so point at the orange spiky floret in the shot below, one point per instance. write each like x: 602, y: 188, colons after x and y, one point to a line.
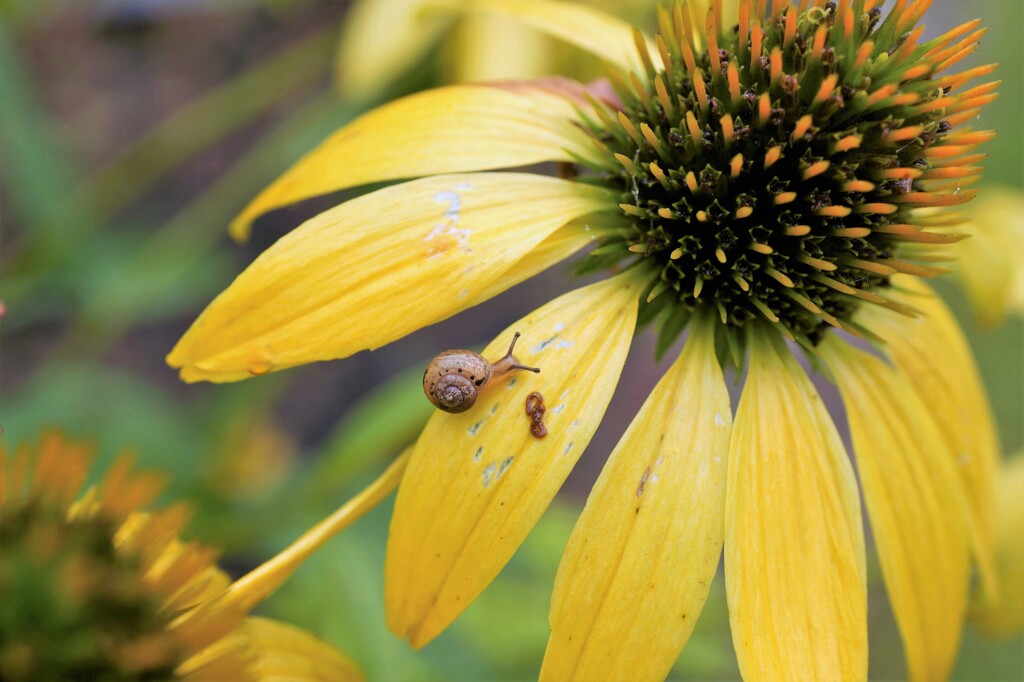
x: 785, y: 147
x: 115, y: 579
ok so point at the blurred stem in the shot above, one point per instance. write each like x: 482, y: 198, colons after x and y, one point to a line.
x: 261, y: 582
x: 200, y: 225
x: 381, y: 423
x: 39, y: 175
x: 208, y: 119
x: 190, y: 235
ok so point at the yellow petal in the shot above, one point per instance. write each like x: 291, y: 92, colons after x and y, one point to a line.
x: 917, y: 506
x: 794, y: 545
x: 478, y: 481
x: 563, y: 243
x: 601, y: 34
x: 489, y: 47
x: 447, y: 130
x: 991, y: 261
x: 1005, y: 617
x: 283, y: 652
x: 380, y: 41
x: 637, y: 570
x: 932, y: 353
x: 376, y: 268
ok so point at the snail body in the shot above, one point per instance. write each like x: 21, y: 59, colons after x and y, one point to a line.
x: 454, y: 378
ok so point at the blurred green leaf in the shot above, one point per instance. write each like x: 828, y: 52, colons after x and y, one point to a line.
x: 109, y: 407
x: 37, y: 172
x: 221, y: 405
x: 543, y: 550
x: 509, y: 620
x: 112, y: 295
x: 990, y: 659
x: 384, y: 421
x: 177, y: 254
x: 709, y: 655
x: 1001, y: 44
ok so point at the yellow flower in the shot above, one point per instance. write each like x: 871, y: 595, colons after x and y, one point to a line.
x: 1005, y: 616
x: 753, y: 177
x: 990, y: 264
x: 381, y: 40
x: 97, y: 588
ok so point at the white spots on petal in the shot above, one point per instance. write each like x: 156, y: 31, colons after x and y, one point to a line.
x: 488, y: 474
x: 493, y: 472
x: 569, y: 447
x: 494, y: 408
x: 719, y: 420
x: 543, y: 345
x: 718, y: 459
x: 478, y: 453
x: 648, y: 477
x: 454, y: 201
x: 963, y: 459
x: 547, y: 343
x: 575, y: 423
x: 559, y: 409
x: 463, y: 293
x: 512, y: 383
x: 446, y: 234
x: 462, y: 239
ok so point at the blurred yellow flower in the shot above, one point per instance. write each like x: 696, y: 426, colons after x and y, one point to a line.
x: 990, y: 264
x: 756, y: 173
x: 382, y: 40
x: 1004, y: 616
x: 255, y: 459
x: 94, y: 587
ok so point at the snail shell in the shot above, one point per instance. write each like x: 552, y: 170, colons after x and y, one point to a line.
x: 454, y: 378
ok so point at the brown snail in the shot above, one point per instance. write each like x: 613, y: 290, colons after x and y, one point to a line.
x: 455, y: 377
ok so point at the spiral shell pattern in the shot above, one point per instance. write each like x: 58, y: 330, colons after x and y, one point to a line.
x: 454, y: 378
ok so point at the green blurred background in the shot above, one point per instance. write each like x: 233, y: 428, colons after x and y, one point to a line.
x: 131, y: 131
